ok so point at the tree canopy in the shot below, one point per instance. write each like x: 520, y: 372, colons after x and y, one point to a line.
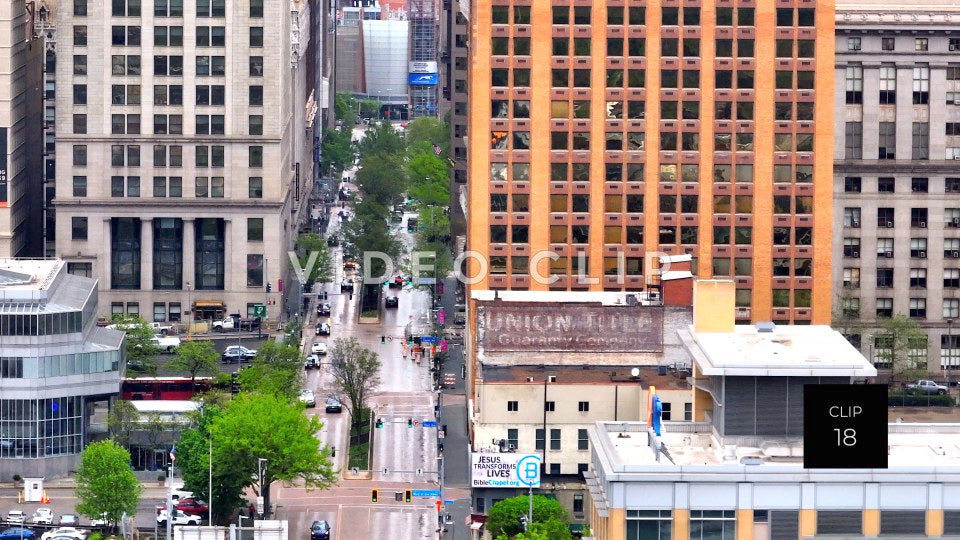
x: 901, y: 344
x: 336, y: 150
x: 277, y: 370
x: 382, y: 138
x: 321, y: 267
x: 196, y: 357
x: 121, y: 421
x: 504, y: 516
x: 105, y: 484
x: 429, y: 130
x: 355, y: 371
x: 382, y: 177
x: 263, y: 426
x: 140, y: 346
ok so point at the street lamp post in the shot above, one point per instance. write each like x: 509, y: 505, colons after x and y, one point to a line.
x: 261, y: 469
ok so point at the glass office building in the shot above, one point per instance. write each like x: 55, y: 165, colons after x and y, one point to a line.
x: 56, y: 364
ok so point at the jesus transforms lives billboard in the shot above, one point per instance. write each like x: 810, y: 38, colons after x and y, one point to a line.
x: 581, y: 328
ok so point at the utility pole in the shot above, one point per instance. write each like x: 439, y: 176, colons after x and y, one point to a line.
x: 261, y: 470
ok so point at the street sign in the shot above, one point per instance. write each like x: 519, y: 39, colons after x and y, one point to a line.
x: 260, y: 505
x: 428, y: 339
x: 259, y: 310
x: 429, y: 423
x: 426, y: 493
x: 447, y: 502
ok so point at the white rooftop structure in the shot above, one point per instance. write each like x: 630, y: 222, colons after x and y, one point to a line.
x: 795, y: 351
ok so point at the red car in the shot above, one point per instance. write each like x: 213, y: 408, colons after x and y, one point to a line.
x: 188, y: 506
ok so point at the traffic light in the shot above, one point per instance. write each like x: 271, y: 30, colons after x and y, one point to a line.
x: 234, y: 383
x: 269, y: 287
x: 374, y: 496
x: 409, y: 422
x: 408, y: 496
x: 379, y: 423
x: 383, y: 339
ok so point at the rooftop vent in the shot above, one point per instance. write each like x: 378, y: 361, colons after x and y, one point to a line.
x: 765, y: 327
x: 751, y: 460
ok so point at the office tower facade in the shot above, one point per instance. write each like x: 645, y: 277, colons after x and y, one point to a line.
x: 897, y: 178
x: 454, y: 59
x: 607, y: 132
x: 45, y: 28
x: 21, y: 132
x: 185, y: 152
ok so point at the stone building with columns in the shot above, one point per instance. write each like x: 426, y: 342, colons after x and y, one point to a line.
x: 185, y: 152
x: 897, y: 174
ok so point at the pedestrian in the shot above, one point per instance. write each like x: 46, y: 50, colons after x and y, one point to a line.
x: 252, y: 510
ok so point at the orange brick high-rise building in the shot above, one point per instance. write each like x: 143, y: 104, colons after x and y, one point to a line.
x: 607, y: 130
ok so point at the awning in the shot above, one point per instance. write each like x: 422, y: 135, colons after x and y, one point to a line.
x: 476, y: 525
x: 576, y: 527
x: 209, y: 304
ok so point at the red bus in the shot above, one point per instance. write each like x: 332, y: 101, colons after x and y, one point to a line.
x: 163, y: 388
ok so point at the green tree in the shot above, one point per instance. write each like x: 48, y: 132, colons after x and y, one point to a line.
x: 322, y: 265
x: 369, y: 231
x: 369, y: 108
x: 277, y: 370
x: 263, y: 426
x: 899, y: 344
x: 382, y: 138
x: 293, y: 332
x: 345, y: 108
x: 105, y: 484
x: 382, y: 177
x: 429, y: 177
x: 355, y: 372
x: 504, y: 516
x: 336, y: 150
x: 196, y: 357
x: 429, y: 130
x: 122, y: 421
x: 141, y: 348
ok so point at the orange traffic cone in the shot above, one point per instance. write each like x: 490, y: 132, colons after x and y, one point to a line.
x: 44, y: 499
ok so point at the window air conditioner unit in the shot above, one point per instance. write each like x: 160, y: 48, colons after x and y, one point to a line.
x: 923, y: 254
x: 956, y: 102
x: 957, y: 157
x: 855, y: 223
x: 888, y: 254
x: 954, y: 47
x: 923, y: 224
x: 956, y: 254
x: 855, y: 254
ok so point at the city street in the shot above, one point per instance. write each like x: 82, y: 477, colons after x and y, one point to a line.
x: 407, y: 454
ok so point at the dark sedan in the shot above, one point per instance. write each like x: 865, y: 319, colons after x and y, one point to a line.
x: 320, y: 530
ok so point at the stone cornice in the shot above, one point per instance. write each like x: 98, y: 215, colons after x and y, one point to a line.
x: 899, y: 16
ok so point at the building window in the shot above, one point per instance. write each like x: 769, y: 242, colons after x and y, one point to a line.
x: 79, y: 228
x: 951, y: 278
x: 209, y: 254
x: 885, y: 185
x: 921, y: 140
x: 854, y: 84
x: 256, y: 36
x: 887, y: 44
x: 82, y: 269
x: 921, y: 84
x: 853, y: 140
x: 888, y: 84
x: 918, y: 307
x: 79, y: 8
x: 578, y: 503
x: 256, y: 66
x: 168, y: 8
x: 652, y: 524
x: 583, y: 440
x: 853, y: 44
x: 215, y: 8
x: 125, y: 253
x: 851, y: 184
x: 513, y: 406
x: 918, y: 278
x: 211, y: 36
x: 79, y: 36
x: 555, y: 439
x: 254, y: 229
x: 951, y: 308
x: 79, y: 186
x: 583, y: 406
x: 950, y: 351
x: 159, y: 312
x: 921, y: 44
x: 884, y: 307
x: 712, y: 524
x: 918, y: 248
x: 167, y: 253
x: 256, y: 95
x: 256, y: 8
x: 887, y: 143
x: 851, y: 278
x: 254, y: 270
x: 126, y: 8
x: 549, y: 406
x: 255, y: 187
x: 665, y: 412
x: 79, y: 123
x: 513, y: 438
x: 540, y: 439
x: 255, y: 124
x: 255, y: 156
x: 688, y: 412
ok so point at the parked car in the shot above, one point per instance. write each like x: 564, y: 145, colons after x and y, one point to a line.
x: 17, y: 533
x: 312, y: 362
x: 308, y: 398
x: 43, y: 516
x: 179, y: 518
x: 333, y: 241
x: 320, y: 530
x: 346, y: 286
x: 323, y: 310
x: 927, y: 387
x: 68, y: 520
x: 100, y: 521
x: 16, y: 516
x: 65, y: 532
x: 323, y: 329
x: 165, y: 343
x: 192, y: 506
x: 238, y: 353
x: 391, y: 302
x: 334, y: 405
x: 319, y: 348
